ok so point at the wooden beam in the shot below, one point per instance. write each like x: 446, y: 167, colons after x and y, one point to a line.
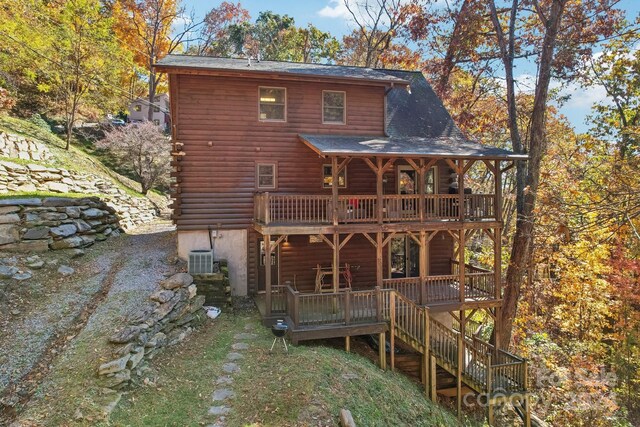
x: 389, y: 237
x: 453, y: 166
x: 430, y: 164
x: 379, y: 190
x: 506, y: 168
x: 370, y: 239
x: 347, y: 344
x: 413, y: 164
x: 461, y: 246
x: 388, y: 165
x: 346, y: 239
x: 414, y: 238
x: 489, y: 166
x: 277, y: 243
x: 467, y: 166
x: 327, y: 241
x: 344, y: 163
x: 392, y: 329
x: 433, y: 384
x: 369, y: 163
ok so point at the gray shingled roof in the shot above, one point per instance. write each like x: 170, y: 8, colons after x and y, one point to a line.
x: 293, y: 68
x: 413, y: 146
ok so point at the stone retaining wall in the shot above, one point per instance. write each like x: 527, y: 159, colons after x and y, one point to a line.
x: 167, y: 319
x: 30, y: 178
x: 40, y: 224
x: 21, y: 147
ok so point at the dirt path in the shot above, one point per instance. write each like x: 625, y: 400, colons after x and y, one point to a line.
x: 51, y: 348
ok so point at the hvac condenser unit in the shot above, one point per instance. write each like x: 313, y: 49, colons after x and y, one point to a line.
x: 201, y: 262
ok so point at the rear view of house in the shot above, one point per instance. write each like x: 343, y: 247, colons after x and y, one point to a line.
x: 339, y: 197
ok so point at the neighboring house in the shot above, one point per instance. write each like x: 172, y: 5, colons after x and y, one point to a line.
x: 257, y: 151
x: 139, y: 110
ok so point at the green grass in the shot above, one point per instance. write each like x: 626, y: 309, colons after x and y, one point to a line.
x: 307, y: 386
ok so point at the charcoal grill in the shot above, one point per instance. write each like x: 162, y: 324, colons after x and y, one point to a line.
x: 279, y: 330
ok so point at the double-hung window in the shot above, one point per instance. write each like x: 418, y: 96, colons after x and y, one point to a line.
x: 334, y: 107
x: 266, y: 176
x: 273, y: 104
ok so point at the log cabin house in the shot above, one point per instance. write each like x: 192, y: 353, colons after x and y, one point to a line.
x: 339, y: 197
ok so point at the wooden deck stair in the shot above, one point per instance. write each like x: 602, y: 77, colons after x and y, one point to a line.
x: 493, y: 373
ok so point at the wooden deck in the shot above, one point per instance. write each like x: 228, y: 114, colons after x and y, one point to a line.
x: 494, y: 373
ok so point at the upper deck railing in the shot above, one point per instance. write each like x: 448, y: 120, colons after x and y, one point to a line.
x: 312, y: 209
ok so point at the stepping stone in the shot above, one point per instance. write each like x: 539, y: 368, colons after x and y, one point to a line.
x: 230, y: 368
x: 235, y: 356
x: 249, y: 327
x: 219, y: 410
x: 240, y: 346
x: 223, y: 394
x: 244, y: 336
x: 350, y: 376
x: 224, y: 379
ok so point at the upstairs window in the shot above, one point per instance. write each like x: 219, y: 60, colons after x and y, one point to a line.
x: 333, y: 107
x: 327, y: 179
x: 273, y: 104
x: 266, y: 175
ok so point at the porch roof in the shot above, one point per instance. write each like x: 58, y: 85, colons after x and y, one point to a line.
x: 405, y: 146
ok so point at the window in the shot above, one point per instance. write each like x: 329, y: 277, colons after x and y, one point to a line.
x: 328, y: 177
x: 333, y: 107
x: 156, y: 122
x: 407, y: 177
x: 266, y: 175
x: 137, y: 107
x: 156, y: 109
x: 273, y: 104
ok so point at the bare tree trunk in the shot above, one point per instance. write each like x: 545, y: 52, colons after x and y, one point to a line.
x: 526, y: 192
x: 152, y: 91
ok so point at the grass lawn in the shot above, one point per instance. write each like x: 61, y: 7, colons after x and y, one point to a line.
x: 308, y: 386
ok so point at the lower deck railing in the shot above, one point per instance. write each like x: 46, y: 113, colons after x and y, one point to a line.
x: 489, y: 369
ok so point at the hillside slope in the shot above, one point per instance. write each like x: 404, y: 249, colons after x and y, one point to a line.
x: 33, y: 161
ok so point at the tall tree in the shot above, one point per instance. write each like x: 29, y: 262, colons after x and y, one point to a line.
x: 214, y: 34
x: 151, y: 30
x: 87, y: 53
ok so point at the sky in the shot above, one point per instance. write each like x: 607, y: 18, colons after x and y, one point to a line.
x: 332, y: 16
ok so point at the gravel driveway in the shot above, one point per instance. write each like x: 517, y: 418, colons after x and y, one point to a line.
x: 110, y: 281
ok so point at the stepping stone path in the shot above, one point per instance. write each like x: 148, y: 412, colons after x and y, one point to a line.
x: 222, y: 395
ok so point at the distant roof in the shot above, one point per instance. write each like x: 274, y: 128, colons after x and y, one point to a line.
x: 414, y: 146
x: 278, y: 67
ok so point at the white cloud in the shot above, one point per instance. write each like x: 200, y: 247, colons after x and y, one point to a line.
x: 335, y: 9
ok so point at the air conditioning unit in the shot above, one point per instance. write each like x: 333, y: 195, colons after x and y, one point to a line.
x: 201, y: 262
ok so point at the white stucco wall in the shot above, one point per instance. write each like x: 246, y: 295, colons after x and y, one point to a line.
x: 229, y: 244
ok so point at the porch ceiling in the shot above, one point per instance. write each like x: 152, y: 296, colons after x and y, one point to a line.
x: 405, y: 146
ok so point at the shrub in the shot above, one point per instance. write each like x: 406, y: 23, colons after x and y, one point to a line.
x: 37, y: 120
x: 143, y: 149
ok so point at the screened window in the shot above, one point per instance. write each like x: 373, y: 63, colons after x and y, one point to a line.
x: 327, y: 180
x: 333, y: 107
x: 266, y: 176
x: 273, y: 104
x: 137, y: 107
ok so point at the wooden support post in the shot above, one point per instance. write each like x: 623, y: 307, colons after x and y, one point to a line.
x: 425, y: 354
x: 382, y: 350
x: 379, y: 190
x: 461, y: 190
x: 423, y: 267
x: 347, y: 344
x: 379, y: 264
x: 433, y: 382
x: 459, y: 376
x: 267, y: 273
x: 489, y: 390
x: 421, y: 174
x: 461, y: 265
x: 497, y: 262
x: 336, y: 262
x: 392, y: 329
x: 498, y: 191
x: 334, y: 189
x: 526, y: 406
